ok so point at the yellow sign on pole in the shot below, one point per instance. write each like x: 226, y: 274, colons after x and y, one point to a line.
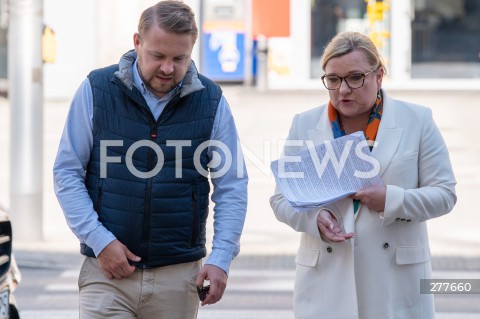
x: 375, y: 10
x: 49, y: 45
x: 378, y: 30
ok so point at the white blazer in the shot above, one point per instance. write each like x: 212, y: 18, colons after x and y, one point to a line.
x: 377, y: 274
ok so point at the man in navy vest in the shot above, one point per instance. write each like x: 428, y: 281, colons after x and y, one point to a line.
x: 142, y: 142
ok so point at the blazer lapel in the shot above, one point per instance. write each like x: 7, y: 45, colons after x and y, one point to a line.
x: 322, y: 130
x: 388, y: 136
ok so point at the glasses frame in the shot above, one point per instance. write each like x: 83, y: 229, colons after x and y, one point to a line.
x: 345, y: 78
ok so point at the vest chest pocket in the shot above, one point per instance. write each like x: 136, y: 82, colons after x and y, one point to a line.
x: 98, y: 202
x: 195, y: 224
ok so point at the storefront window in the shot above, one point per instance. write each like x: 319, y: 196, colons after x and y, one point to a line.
x: 446, y: 39
x: 328, y: 17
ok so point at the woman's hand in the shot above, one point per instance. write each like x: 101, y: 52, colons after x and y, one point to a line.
x: 373, y: 197
x: 329, y: 228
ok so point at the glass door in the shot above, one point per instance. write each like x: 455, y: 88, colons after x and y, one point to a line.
x: 446, y: 39
x: 329, y: 17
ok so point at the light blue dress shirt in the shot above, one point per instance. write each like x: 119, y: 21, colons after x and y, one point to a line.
x: 229, y: 188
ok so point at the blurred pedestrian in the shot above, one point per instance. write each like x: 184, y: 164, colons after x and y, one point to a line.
x: 132, y: 176
x: 363, y: 256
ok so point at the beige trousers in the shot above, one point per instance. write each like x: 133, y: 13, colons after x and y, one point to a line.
x: 161, y: 293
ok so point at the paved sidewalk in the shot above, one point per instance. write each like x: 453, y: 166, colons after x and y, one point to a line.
x: 259, y: 287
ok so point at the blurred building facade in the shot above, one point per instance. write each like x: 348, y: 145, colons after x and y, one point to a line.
x: 431, y: 42
x: 425, y: 43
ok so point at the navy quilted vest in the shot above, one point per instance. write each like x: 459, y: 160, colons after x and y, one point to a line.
x: 160, y: 218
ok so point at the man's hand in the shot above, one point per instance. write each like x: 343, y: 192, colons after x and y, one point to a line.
x: 329, y: 228
x: 218, y: 282
x: 373, y: 197
x: 114, y: 258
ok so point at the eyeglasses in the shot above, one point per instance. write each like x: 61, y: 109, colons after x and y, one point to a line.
x: 354, y: 81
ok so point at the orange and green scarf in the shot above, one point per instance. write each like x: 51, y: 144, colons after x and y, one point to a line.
x: 373, y: 121
x: 370, y: 132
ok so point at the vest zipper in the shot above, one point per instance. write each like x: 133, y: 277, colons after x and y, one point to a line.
x: 195, y: 220
x: 148, y: 199
x: 153, y: 133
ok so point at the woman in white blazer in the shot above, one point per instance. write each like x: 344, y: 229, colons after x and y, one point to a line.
x: 363, y: 257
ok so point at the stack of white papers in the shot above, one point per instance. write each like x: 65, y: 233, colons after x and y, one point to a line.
x: 326, y: 172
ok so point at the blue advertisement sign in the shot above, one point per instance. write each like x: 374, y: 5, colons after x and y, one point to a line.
x: 223, y: 55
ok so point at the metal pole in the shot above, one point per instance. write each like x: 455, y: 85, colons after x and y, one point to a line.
x: 248, y: 42
x: 25, y: 76
x: 262, y: 63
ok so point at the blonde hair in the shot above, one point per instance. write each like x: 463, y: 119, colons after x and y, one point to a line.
x: 346, y: 42
x: 171, y: 16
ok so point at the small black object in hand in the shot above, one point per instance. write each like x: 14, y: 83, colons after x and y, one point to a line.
x: 202, y: 292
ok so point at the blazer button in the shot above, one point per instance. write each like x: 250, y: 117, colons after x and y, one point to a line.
x: 329, y: 249
x: 409, y: 220
x: 386, y: 245
x: 397, y: 219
